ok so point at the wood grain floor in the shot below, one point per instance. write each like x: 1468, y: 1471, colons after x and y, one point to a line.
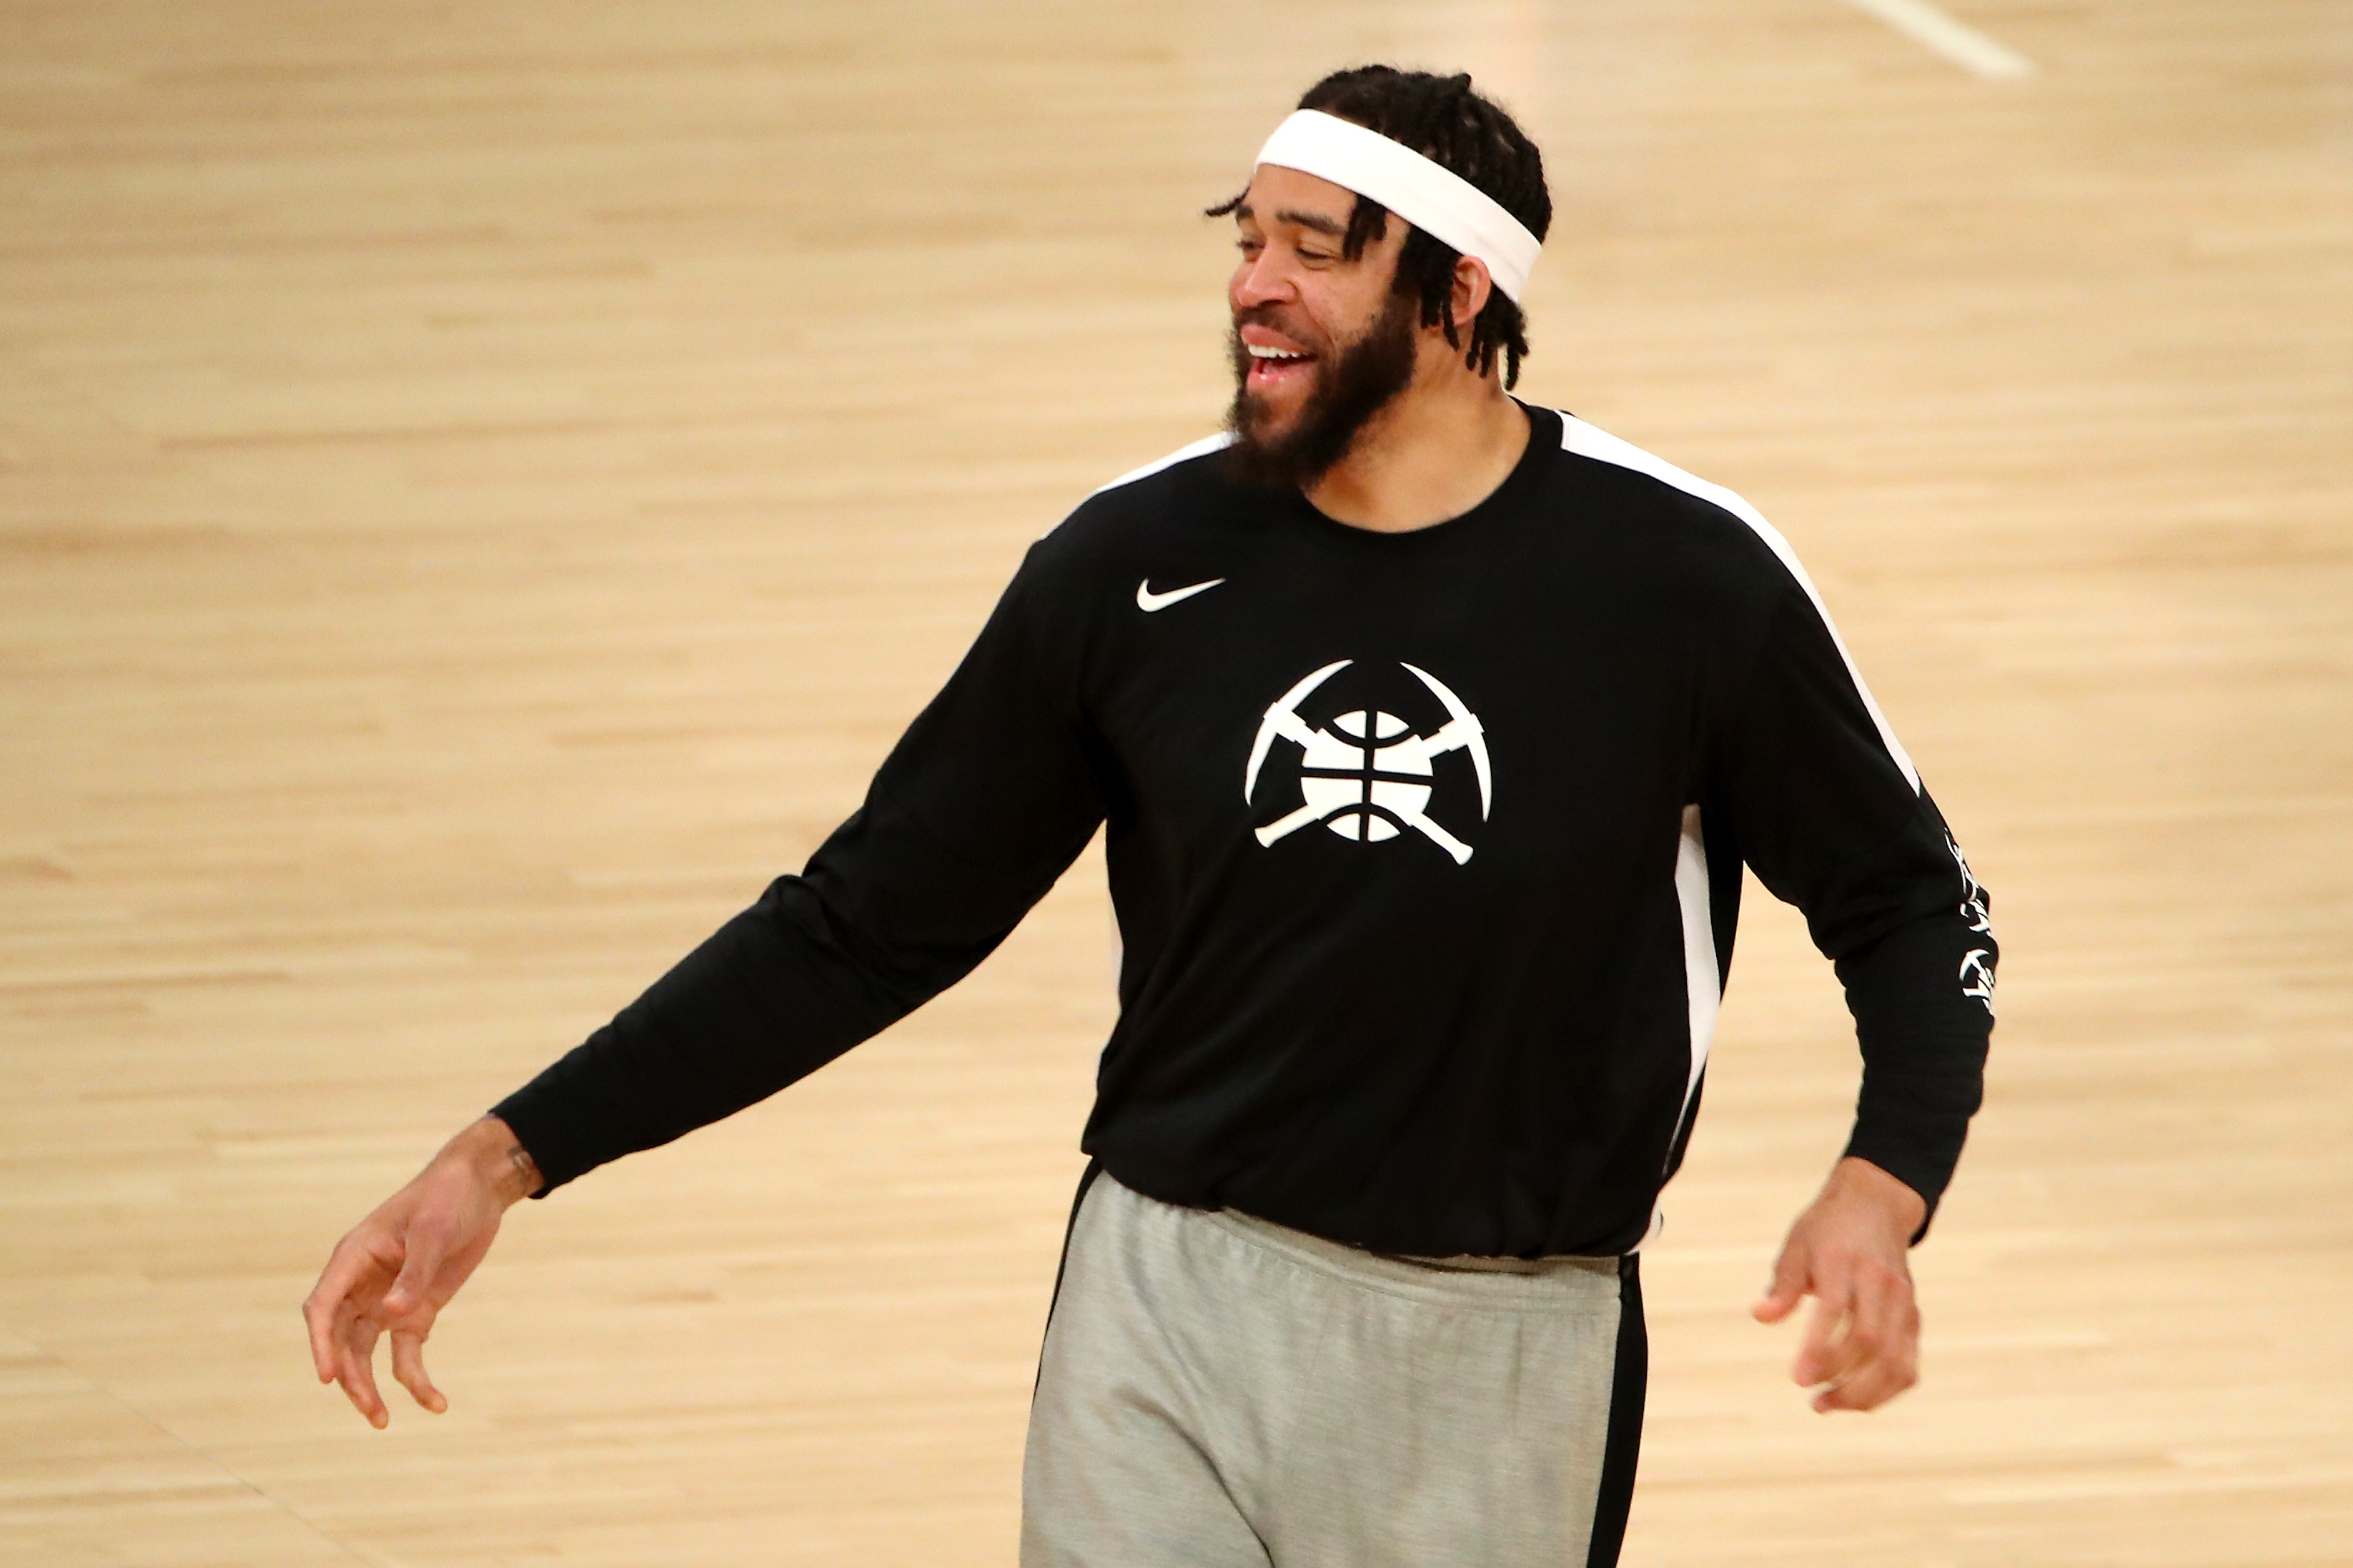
x: 481, y: 485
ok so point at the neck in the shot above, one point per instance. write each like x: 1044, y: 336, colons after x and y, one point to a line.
x: 1438, y: 449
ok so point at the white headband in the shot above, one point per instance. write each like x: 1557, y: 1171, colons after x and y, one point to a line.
x: 1435, y: 200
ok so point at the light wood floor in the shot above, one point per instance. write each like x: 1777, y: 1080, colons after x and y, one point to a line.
x: 482, y: 485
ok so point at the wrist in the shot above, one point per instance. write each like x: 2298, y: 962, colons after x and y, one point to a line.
x: 498, y: 1160
x: 1857, y: 1180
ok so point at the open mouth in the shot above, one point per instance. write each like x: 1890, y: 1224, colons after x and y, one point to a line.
x: 1270, y: 366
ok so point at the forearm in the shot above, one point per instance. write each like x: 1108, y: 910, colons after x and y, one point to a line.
x: 883, y: 918
x: 747, y: 1012
x: 1924, y: 1031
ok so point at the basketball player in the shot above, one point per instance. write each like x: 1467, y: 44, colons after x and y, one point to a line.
x: 1430, y: 731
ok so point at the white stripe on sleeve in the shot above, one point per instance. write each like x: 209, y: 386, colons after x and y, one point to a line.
x: 1576, y: 436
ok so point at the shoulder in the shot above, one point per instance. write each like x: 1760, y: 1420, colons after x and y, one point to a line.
x: 1132, y: 513
x: 1707, y: 536
x: 1194, y: 454
x: 1725, y: 546
x: 1701, y: 514
x: 1178, y: 482
x: 1152, y: 520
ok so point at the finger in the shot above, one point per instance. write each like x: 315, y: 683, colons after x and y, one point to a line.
x: 1866, y: 1391
x: 1869, y: 1362
x: 356, y: 1376
x: 359, y: 1373
x: 1784, y: 1290
x: 326, y: 1301
x: 317, y: 1323
x: 1832, y: 1289
x: 342, y: 1330
x: 1892, y: 1319
x: 1869, y: 1387
x: 1864, y: 1337
x: 408, y: 1366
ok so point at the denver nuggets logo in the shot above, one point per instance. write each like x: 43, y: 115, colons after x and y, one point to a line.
x: 1367, y: 773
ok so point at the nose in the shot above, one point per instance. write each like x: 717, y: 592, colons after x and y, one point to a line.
x: 1260, y: 280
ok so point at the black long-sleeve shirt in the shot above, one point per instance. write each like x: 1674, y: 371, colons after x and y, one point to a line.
x: 1425, y: 848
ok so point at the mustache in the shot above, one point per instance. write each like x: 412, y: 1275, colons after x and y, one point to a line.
x: 1268, y: 316
x: 1349, y: 386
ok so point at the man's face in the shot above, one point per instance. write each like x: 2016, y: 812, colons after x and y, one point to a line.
x: 1321, y: 344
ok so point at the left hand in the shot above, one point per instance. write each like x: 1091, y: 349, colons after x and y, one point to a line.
x: 1848, y: 1251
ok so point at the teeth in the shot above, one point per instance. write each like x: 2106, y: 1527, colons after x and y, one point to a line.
x: 1257, y: 352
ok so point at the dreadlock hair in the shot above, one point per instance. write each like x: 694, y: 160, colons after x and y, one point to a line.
x: 1444, y: 121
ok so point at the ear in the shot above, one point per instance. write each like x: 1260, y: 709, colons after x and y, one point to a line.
x: 1473, y: 288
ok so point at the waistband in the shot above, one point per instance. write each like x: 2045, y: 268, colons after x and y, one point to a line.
x: 1555, y: 1282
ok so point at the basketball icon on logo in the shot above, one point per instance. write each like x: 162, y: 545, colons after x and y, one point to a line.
x: 1369, y: 774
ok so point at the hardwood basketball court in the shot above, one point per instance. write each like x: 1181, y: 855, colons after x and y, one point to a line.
x: 481, y: 486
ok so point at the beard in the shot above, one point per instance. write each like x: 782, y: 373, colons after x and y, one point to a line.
x: 1348, y: 391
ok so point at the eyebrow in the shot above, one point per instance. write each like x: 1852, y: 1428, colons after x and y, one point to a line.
x: 1317, y: 221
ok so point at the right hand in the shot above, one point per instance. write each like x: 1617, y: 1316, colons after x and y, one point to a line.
x: 399, y: 1267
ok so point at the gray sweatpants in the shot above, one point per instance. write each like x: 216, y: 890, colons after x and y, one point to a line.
x: 1222, y: 1392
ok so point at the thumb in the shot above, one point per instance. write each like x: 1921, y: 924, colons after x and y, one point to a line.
x: 1784, y: 1290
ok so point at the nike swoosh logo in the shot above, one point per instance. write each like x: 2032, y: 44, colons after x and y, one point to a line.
x: 1147, y: 601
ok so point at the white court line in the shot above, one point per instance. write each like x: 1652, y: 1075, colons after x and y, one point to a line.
x: 1925, y: 22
